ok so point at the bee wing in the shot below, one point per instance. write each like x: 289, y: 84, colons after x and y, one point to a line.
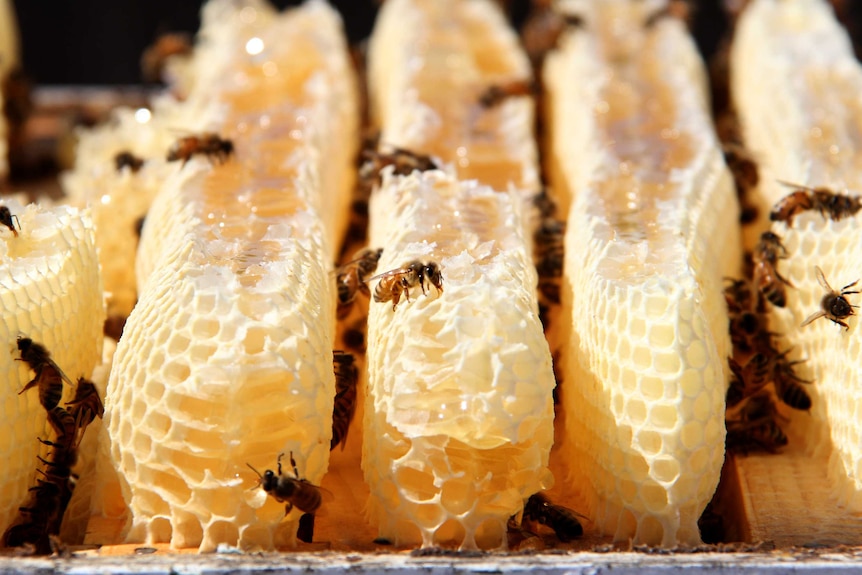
x: 821, y: 279
x: 60, y: 372
x: 816, y: 315
x: 796, y: 186
x: 388, y: 274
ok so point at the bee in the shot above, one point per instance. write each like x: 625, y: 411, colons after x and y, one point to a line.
x: 404, y: 163
x: 548, y: 240
x: 746, y: 177
x: 757, y: 426
x: 562, y: 520
x: 767, y: 279
x: 544, y: 204
x: 8, y: 219
x: 297, y: 492
x: 828, y: 203
x: 346, y: 379
x: 833, y: 306
x: 352, y: 277
x: 65, y: 427
x: 744, y: 330
x: 208, y: 144
x: 27, y: 534
x: 86, y: 405
x: 49, y: 377
x: 543, y: 28
x: 739, y: 296
x: 735, y: 391
x: 495, y: 95
x: 754, y: 374
x: 395, y: 282
x: 126, y: 159
x: 788, y: 385
x: 156, y: 55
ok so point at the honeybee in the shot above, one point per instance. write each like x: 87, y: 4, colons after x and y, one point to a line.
x: 757, y: 426
x: 65, y: 427
x: 49, y: 377
x: 346, y: 378
x: 766, y: 277
x: 833, y: 306
x: 497, y: 93
x: 297, y: 492
x: 207, y: 144
x: 562, y: 520
x: 544, y: 204
x: 156, y: 55
x: 548, y: 240
x: 788, y: 385
x: 86, y: 405
x: 745, y: 327
x: 754, y: 374
x: 735, y: 391
x: 126, y: 159
x: 8, y: 219
x: 352, y: 277
x: 395, y: 282
x: 739, y: 296
x: 828, y: 203
x: 404, y: 163
x: 745, y: 177
x: 543, y: 28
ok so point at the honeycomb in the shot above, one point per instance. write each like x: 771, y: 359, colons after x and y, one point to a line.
x: 459, y: 412
x: 52, y: 293
x: 808, y: 133
x: 648, y: 240
x: 794, y: 73
x: 458, y: 416
x: 119, y: 198
x: 226, y: 360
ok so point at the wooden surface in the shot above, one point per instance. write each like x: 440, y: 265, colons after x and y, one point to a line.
x: 784, y: 498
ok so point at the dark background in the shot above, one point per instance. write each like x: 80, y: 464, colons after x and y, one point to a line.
x: 101, y: 41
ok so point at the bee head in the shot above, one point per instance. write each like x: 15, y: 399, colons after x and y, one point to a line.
x: 24, y: 343
x: 431, y: 272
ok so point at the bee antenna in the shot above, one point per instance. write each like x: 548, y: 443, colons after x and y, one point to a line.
x: 260, y: 476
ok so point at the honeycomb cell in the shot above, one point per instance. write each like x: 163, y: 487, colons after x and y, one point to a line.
x: 665, y: 469
x: 651, y: 388
x: 637, y: 328
x: 635, y: 411
x: 650, y: 531
x: 650, y: 442
x: 664, y: 416
x: 159, y: 530
x: 451, y: 531
x: 205, y: 327
x: 692, y: 435
x: 696, y: 355
x: 642, y: 358
x: 254, y: 340
x: 177, y: 344
x: 458, y: 497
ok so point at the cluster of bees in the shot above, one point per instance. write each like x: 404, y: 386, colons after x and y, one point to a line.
x: 753, y: 418
x: 40, y: 518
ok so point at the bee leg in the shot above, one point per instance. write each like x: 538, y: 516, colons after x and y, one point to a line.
x: 293, y: 463
x: 288, y: 508
x: 280, y: 455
